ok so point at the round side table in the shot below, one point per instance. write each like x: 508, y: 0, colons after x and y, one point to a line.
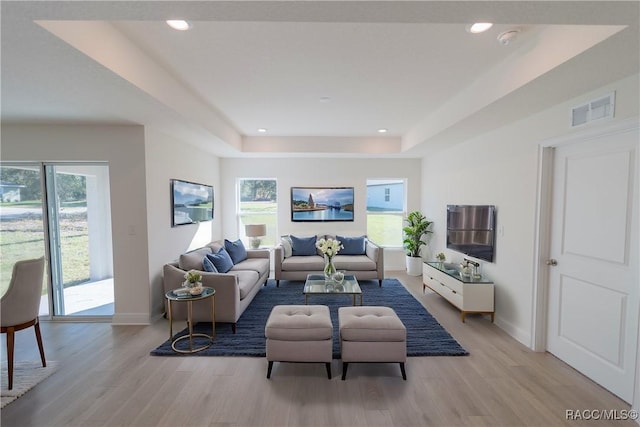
x: 207, y: 292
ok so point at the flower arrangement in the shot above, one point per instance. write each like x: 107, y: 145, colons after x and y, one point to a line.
x: 329, y: 247
x: 192, y: 278
x: 441, y: 257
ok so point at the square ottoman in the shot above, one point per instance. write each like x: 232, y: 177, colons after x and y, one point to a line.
x: 371, y: 334
x: 299, y: 333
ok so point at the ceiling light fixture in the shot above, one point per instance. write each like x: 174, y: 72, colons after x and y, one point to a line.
x: 383, y: 130
x: 179, y: 24
x: 262, y: 130
x: 479, y: 27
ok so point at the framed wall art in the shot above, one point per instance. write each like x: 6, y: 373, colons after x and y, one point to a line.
x: 190, y: 202
x: 321, y: 204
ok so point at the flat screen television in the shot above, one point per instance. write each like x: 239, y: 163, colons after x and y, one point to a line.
x: 190, y: 202
x: 471, y: 230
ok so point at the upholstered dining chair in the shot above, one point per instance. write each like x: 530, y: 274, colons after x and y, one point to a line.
x: 19, y: 306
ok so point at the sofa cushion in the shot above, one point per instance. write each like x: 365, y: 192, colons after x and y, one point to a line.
x: 259, y: 265
x: 285, y: 241
x: 303, y: 263
x: 193, y: 260
x: 352, y: 245
x: 208, y: 265
x: 221, y: 260
x: 354, y: 262
x: 246, y: 281
x: 303, y: 246
x: 236, y: 250
x: 215, y: 246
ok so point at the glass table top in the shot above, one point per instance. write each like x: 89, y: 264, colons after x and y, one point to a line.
x: 316, y: 284
x: 172, y: 295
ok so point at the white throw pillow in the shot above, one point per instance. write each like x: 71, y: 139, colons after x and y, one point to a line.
x: 286, y: 246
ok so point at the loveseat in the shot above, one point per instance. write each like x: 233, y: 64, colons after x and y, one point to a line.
x: 296, y: 257
x: 235, y: 288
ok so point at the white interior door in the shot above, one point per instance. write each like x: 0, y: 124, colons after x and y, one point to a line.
x: 593, y: 290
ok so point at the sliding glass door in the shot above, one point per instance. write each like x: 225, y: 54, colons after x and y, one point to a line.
x: 22, y: 232
x: 79, y: 220
x: 61, y: 211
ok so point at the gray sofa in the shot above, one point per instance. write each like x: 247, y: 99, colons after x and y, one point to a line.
x: 234, y: 290
x: 368, y: 265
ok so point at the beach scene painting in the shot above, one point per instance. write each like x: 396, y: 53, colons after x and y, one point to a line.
x: 321, y: 204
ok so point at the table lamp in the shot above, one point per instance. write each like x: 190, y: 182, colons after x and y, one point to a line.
x: 255, y: 231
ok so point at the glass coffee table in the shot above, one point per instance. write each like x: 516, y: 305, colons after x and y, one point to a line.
x: 317, y: 285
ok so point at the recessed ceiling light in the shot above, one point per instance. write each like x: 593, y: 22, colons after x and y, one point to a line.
x: 479, y: 27
x: 325, y: 99
x: 262, y: 130
x: 178, y: 24
x: 382, y: 130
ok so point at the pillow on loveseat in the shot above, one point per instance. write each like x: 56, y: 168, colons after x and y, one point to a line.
x: 221, y: 260
x: 303, y: 246
x: 236, y: 250
x: 193, y: 260
x: 352, y: 245
x: 208, y: 265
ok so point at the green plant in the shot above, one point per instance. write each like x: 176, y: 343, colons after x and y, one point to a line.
x: 417, y: 226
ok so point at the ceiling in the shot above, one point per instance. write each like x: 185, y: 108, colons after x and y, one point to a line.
x: 322, y: 77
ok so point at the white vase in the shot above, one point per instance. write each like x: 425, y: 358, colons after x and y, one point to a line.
x: 414, y: 265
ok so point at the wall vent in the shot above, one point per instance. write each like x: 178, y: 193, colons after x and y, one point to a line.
x: 596, y: 109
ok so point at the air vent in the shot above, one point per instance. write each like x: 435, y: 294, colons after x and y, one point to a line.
x: 597, y: 109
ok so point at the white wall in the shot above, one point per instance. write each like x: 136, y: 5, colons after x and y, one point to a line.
x: 319, y: 172
x: 168, y: 158
x: 123, y: 148
x: 501, y: 168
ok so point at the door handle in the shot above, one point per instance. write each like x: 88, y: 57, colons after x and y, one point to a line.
x: 552, y: 262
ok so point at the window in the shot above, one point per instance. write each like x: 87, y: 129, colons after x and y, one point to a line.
x: 385, y: 211
x: 258, y: 204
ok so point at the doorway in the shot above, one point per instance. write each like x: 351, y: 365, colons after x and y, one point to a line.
x: 588, y: 296
x: 63, y: 211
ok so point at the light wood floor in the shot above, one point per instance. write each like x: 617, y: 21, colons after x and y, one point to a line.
x: 107, y: 378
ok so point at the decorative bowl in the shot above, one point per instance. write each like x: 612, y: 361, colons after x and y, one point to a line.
x: 196, y: 291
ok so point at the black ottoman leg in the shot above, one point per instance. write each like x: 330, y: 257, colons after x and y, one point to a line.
x: 345, y: 365
x: 404, y: 374
x: 269, y: 369
x: 328, y: 365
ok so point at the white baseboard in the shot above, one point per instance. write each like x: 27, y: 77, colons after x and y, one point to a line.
x: 130, y: 319
x: 518, y: 334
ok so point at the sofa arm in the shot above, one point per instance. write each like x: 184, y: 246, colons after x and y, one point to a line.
x: 278, y: 258
x: 376, y: 254
x: 257, y: 253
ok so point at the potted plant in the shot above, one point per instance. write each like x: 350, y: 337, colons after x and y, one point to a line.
x: 415, y: 230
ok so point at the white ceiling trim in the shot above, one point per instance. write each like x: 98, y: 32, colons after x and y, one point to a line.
x: 111, y: 49
x: 553, y: 46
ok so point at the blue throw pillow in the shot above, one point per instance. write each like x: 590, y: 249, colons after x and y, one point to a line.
x: 221, y: 260
x: 208, y: 266
x: 236, y: 250
x: 303, y: 246
x: 352, y: 245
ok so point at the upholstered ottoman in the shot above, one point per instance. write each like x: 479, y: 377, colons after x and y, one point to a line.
x: 371, y: 334
x: 299, y: 333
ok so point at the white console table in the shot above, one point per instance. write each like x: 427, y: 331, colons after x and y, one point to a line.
x: 466, y: 293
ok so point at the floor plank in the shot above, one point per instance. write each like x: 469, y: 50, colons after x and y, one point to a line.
x: 107, y: 378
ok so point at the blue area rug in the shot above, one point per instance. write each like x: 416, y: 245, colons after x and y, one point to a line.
x: 425, y: 336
